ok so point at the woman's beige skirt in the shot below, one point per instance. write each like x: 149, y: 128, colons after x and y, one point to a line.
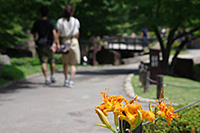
x: 73, y: 57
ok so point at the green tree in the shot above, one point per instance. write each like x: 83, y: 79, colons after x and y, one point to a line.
x: 180, y: 16
x: 18, y: 16
x: 102, y: 17
x: 97, y: 18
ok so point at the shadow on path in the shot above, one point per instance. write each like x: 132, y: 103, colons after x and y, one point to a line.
x: 28, y: 84
x: 19, y: 85
x: 109, y: 71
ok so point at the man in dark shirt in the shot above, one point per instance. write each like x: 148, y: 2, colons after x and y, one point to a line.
x: 44, y: 33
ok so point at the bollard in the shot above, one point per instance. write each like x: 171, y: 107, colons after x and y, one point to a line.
x: 142, y: 75
x: 146, y: 83
x: 144, y: 79
x: 140, y: 71
x: 1, y: 67
x: 159, y: 85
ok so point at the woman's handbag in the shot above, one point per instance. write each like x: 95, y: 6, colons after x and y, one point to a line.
x: 64, y: 48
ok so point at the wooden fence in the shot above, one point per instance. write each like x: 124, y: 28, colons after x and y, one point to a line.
x: 144, y: 77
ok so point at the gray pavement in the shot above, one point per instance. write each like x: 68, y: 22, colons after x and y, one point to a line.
x: 31, y: 107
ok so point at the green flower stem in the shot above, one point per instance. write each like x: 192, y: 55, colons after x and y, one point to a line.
x: 122, y: 128
x: 150, y: 108
x: 116, y: 120
x: 112, y: 130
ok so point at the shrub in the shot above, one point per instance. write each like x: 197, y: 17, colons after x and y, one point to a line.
x: 25, y: 61
x: 10, y: 72
x: 34, y: 61
x: 18, y: 62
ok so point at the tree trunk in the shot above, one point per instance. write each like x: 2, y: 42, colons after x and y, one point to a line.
x: 165, y: 63
x: 165, y: 53
x: 178, y: 50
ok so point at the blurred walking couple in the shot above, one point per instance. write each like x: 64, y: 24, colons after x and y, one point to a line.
x: 48, y: 39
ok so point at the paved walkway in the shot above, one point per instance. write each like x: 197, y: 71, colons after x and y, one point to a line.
x: 31, y: 107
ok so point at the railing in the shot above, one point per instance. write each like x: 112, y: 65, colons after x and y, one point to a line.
x: 127, y: 43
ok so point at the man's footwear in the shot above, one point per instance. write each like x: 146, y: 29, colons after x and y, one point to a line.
x: 53, y: 80
x: 66, y: 82
x: 71, y: 84
x: 47, y: 82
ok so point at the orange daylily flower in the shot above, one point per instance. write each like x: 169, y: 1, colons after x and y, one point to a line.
x: 166, y: 112
x: 169, y: 115
x: 130, y: 117
x: 110, y: 103
x: 148, y: 115
x: 132, y: 100
x: 129, y: 113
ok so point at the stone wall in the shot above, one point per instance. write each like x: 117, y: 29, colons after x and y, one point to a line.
x: 5, y: 59
x: 105, y: 56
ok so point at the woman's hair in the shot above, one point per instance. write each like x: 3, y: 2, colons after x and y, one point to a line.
x: 68, y: 11
x: 44, y: 10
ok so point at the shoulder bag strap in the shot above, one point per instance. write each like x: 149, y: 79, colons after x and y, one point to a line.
x: 73, y: 29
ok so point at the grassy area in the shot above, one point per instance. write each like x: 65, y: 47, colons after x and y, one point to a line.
x: 177, y: 90
x: 182, y: 52
x: 30, y: 70
x: 24, y: 70
x: 25, y: 66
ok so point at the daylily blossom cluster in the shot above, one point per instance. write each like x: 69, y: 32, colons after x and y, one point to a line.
x: 166, y: 112
x: 129, y: 111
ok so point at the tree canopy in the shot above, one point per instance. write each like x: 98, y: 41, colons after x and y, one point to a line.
x: 107, y: 17
x: 17, y: 17
x: 179, y: 16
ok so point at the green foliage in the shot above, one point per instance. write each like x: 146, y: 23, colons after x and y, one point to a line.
x: 180, y: 17
x: 170, y: 13
x: 18, y: 16
x: 102, y: 17
x: 29, y: 61
x: 58, y: 58
x: 174, y: 45
x: 189, y: 117
x: 11, y: 29
x: 177, y: 90
x: 26, y: 66
x: 172, y: 52
x: 11, y: 73
x: 25, y: 61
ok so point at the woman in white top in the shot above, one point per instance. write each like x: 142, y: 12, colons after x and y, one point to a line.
x: 68, y: 29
